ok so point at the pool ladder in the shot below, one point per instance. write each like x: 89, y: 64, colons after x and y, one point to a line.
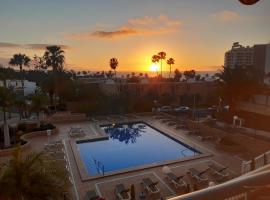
x: 99, y: 166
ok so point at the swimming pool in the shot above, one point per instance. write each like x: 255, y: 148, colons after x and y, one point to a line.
x: 130, y: 145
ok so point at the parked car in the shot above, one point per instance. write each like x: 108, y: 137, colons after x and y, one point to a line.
x: 165, y: 109
x: 182, y: 109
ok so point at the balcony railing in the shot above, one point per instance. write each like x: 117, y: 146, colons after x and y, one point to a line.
x: 249, y: 186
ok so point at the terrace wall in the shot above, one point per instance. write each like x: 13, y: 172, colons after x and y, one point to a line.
x: 204, y: 89
x: 256, y: 146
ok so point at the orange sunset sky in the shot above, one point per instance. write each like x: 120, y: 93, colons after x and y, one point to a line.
x: 196, y: 33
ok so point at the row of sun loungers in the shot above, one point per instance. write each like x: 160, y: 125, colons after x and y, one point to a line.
x: 220, y: 173
x: 55, y: 153
x: 150, y: 187
x: 121, y: 192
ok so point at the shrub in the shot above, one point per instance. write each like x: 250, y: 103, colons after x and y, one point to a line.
x: 21, y: 127
x: 44, y: 127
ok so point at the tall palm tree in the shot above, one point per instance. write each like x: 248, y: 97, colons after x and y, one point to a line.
x: 162, y: 56
x: 6, y: 99
x: 54, y: 57
x: 20, y: 60
x: 113, y: 65
x: 32, y: 177
x: 155, y: 60
x: 170, y: 62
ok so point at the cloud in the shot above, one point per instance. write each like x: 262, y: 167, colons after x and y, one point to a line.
x: 226, y: 16
x: 135, y: 27
x: 4, y: 61
x: 43, y: 46
x: 28, y: 46
x: 8, y: 45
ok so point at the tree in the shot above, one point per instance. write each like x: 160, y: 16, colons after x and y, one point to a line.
x: 20, y: 60
x: 170, y: 62
x: 162, y: 56
x: 39, y: 63
x: 238, y: 83
x: 113, y: 65
x: 21, y: 105
x: 177, y: 75
x: 155, y: 60
x: 6, y: 100
x: 32, y: 177
x: 54, y: 57
x: 39, y: 100
x: 197, y: 77
x: 190, y: 74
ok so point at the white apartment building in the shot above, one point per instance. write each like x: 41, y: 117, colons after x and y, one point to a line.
x: 257, y: 56
x: 29, y: 87
x: 239, y: 55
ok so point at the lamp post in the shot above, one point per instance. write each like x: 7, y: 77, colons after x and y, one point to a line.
x: 49, y: 132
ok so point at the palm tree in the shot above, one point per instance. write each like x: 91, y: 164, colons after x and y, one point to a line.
x: 54, y: 57
x: 20, y: 60
x: 170, y: 62
x: 6, y: 99
x: 113, y: 65
x: 162, y: 56
x: 155, y: 60
x: 20, y: 104
x: 32, y: 177
x: 38, y: 101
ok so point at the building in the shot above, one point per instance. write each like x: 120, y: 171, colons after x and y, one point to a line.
x: 29, y: 87
x: 239, y: 55
x: 257, y: 56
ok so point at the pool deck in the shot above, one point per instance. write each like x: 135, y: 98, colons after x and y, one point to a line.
x: 104, y: 186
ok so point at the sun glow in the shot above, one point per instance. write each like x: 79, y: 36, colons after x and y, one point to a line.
x: 153, y: 67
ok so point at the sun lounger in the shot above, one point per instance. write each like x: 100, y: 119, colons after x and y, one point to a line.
x: 221, y: 172
x: 53, y: 148
x: 177, y: 181
x: 121, y: 192
x: 194, y: 132
x: 179, y: 126
x: 58, y: 156
x: 150, y: 186
x: 198, y: 175
x: 171, y: 123
x: 76, y: 132
x: 91, y: 195
x: 206, y: 137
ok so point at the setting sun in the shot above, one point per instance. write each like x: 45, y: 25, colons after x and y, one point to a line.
x: 154, y: 67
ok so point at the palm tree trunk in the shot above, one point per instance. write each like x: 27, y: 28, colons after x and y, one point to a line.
x: 6, y: 130
x: 38, y: 121
x: 170, y: 71
x: 161, y: 69
x: 22, y: 81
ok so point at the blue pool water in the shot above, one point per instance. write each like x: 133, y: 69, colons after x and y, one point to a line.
x: 130, y: 145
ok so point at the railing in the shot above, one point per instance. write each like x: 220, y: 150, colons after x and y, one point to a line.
x: 256, y: 163
x: 99, y: 166
x: 240, y: 188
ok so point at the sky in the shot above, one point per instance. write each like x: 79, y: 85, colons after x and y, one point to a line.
x: 196, y: 33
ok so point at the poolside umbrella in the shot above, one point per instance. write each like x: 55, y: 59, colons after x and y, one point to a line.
x: 166, y: 170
